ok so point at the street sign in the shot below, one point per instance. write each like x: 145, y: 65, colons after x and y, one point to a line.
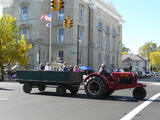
x: 73, y: 52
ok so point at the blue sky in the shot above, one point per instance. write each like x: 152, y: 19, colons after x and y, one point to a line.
x: 142, y: 21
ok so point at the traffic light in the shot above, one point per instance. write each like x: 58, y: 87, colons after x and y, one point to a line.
x: 65, y: 23
x: 60, y: 5
x: 70, y: 23
x: 53, y: 4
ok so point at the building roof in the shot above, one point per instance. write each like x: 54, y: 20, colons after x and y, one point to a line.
x: 133, y: 57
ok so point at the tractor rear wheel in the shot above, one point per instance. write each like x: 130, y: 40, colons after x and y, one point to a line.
x: 139, y: 93
x: 95, y: 87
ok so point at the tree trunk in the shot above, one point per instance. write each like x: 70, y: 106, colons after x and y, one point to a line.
x: 2, y: 72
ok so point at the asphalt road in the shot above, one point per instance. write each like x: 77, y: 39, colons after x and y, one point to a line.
x: 16, y: 105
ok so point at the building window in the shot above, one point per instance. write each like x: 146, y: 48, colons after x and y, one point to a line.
x: 26, y: 32
x: 107, y: 29
x: 61, y: 14
x: 113, y: 33
x: 81, y: 15
x: 137, y: 63
x: 61, y: 55
x: 99, y: 35
x: 81, y: 35
x: 24, y: 13
x: 61, y: 35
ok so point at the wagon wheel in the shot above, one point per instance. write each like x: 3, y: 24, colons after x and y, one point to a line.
x: 42, y: 87
x: 95, y: 87
x: 139, y: 93
x: 61, y: 90
x: 27, y: 88
x: 74, y: 90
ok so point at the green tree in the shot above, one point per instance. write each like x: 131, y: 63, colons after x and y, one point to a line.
x: 155, y: 59
x: 158, y: 48
x: 147, y: 48
x: 125, y: 49
x: 12, y: 50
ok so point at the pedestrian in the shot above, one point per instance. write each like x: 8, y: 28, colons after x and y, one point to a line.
x: 71, y: 68
x: 76, y: 68
x: 48, y: 67
x: 65, y: 67
x: 42, y: 66
x: 9, y: 74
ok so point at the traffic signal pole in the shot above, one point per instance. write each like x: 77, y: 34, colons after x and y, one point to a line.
x: 50, y: 39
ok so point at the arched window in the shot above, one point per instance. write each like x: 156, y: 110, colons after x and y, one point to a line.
x: 25, y: 13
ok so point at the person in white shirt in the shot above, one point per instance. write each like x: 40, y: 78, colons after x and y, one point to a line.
x: 48, y: 67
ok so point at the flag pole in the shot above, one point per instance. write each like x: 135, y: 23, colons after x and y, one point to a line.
x: 50, y: 38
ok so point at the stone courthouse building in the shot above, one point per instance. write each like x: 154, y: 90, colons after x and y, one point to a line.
x: 95, y: 38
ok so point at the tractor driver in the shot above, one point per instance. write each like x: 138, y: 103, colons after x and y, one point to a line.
x: 103, y: 70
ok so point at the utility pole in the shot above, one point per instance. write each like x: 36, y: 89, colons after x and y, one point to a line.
x: 39, y: 51
x: 78, y: 45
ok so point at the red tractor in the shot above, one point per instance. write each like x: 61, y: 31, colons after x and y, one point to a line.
x: 98, y: 86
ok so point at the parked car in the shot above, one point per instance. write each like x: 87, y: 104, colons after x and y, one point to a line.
x: 158, y: 73
x: 148, y: 74
x: 141, y: 74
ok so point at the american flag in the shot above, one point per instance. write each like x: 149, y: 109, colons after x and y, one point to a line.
x: 46, y: 17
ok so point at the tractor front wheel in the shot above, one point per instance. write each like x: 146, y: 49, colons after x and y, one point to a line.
x: 139, y: 93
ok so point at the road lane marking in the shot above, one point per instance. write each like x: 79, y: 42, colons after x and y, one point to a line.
x: 151, y: 83
x: 135, y: 111
x: 3, y: 99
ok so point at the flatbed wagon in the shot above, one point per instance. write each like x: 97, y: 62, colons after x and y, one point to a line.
x: 40, y: 80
